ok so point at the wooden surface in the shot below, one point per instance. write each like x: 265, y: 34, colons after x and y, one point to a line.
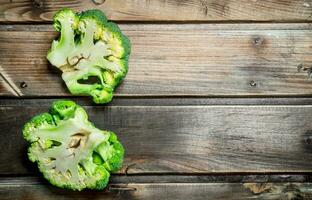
x: 184, y: 139
x: 213, y: 60
x: 5, y: 89
x: 33, y: 189
x: 216, y: 105
x: 159, y: 10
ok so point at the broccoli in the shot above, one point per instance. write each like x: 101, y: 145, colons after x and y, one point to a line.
x: 89, y: 46
x: 69, y: 150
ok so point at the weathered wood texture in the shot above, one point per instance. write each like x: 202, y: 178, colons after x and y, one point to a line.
x: 184, y: 139
x: 179, y: 178
x: 5, y: 89
x: 161, y: 101
x: 159, y: 10
x: 32, y: 190
x: 168, y: 60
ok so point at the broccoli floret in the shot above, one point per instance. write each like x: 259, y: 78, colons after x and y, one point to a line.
x: 69, y: 150
x: 89, y: 46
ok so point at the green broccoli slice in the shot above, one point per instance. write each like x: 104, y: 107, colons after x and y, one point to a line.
x: 89, y: 46
x: 65, y: 21
x: 69, y: 150
x: 112, y: 152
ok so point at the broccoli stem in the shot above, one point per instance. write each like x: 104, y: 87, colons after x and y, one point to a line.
x: 66, y: 43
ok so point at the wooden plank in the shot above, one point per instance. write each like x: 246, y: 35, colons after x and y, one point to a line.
x: 181, y: 178
x: 184, y: 139
x: 211, y: 178
x: 8, y: 86
x: 175, y: 59
x: 5, y: 89
x: 158, y: 10
x: 32, y: 190
x: 161, y: 101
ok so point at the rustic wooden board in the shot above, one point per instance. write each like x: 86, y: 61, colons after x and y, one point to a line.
x: 159, y: 10
x: 162, y: 101
x: 30, y: 189
x: 179, y: 178
x: 184, y: 139
x: 5, y: 88
x: 178, y: 59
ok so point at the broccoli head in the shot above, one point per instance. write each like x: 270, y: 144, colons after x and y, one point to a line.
x: 89, y: 46
x: 69, y: 150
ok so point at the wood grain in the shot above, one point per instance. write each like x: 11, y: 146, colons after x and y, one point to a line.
x: 184, y: 139
x: 159, y: 10
x: 161, y: 101
x: 179, y: 178
x: 33, y: 190
x: 179, y: 59
x: 5, y: 89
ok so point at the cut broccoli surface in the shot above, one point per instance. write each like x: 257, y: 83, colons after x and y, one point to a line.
x: 69, y: 150
x: 89, y: 46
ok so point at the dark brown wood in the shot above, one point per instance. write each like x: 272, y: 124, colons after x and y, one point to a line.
x: 161, y: 101
x: 187, y: 146
x: 184, y: 139
x: 31, y: 190
x: 177, y: 10
x: 178, y: 59
x: 181, y: 178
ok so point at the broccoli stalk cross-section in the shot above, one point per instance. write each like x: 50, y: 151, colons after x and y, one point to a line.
x: 69, y: 150
x: 89, y: 46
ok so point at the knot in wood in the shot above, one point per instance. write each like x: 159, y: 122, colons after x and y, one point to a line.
x: 308, y: 140
x: 98, y: 2
x: 38, y: 3
x: 257, y: 41
x: 252, y: 83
